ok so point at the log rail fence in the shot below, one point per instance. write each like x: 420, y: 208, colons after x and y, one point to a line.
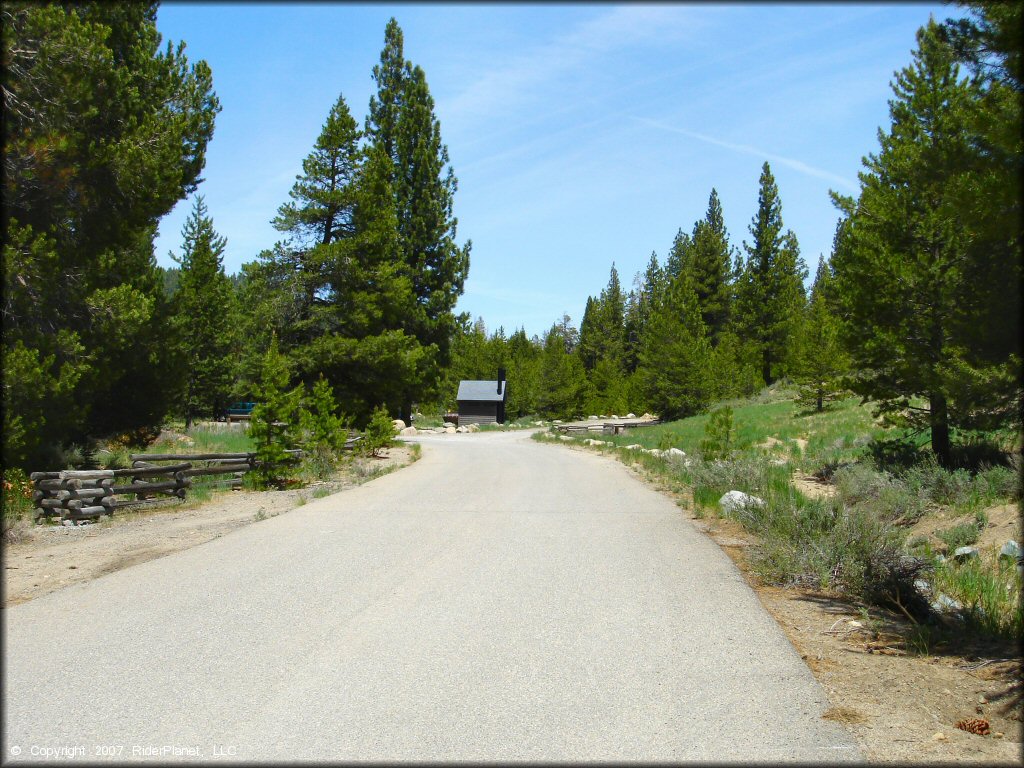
x: 88, y: 494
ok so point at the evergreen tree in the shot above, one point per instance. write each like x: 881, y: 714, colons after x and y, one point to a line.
x: 770, y: 290
x: 402, y: 124
x: 678, y: 256
x: 711, y: 265
x: 103, y: 133
x: 645, y: 295
x: 675, y: 359
x: 204, y: 316
x: 563, y: 383
x: 275, y: 420
x: 913, y: 285
x: 820, y: 359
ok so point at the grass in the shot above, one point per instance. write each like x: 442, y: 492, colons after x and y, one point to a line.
x: 989, y: 588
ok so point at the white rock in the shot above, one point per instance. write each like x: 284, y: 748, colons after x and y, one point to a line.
x: 557, y: 421
x: 944, y: 603
x: 923, y: 586
x: 565, y: 437
x: 448, y: 424
x: 614, y: 416
x: 594, y: 418
x: 399, y: 424
x: 473, y: 428
x: 963, y: 554
x: 734, y: 501
x: 408, y: 431
x: 654, y: 451
x: 634, y: 447
x: 449, y: 430
x: 1011, y: 550
x: 675, y: 452
x: 630, y: 415
x: 461, y: 430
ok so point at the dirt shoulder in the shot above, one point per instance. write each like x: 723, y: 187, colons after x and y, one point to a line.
x: 53, y: 557
x: 900, y: 706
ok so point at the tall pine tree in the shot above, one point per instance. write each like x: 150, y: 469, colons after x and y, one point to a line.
x: 913, y: 285
x: 204, y: 317
x: 770, y: 290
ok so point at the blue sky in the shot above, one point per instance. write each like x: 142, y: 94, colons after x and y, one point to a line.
x: 581, y: 134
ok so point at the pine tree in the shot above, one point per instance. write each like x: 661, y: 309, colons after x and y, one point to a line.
x: 711, y: 265
x: 820, y: 359
x: 204, y: 316
x: 678, y: 256
x: 675, y: 359
x: 908, y: 267
x: 402, y: 124
x: 275, y: 420
x: 563, y: 385
x: 770, y: 290
x: 103, y: 133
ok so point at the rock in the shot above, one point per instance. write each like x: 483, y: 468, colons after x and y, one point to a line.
x: 630, y: 415
x: 854, y: 624
x: 963, y: 554
x: 675, y: 453
x: 399, y: 424
x: 940, y: 737
x: 655, y: 452
x: 634, y: 447
x: 461, y: 430
x: 447, y: 424
x: 449, y: 430
x: 538, y: 423
x: 594, y: 418
x: 591, y: 441
x: 557, y: 421
x: 734, y: 501
x: 473, y: 428
x: 565, y: 437
x: 1010, y: 550
x: 408, y: 431
x: 614, y: 416
x: 923, y: 586
x: 945, y: 604
x: 648, y: 417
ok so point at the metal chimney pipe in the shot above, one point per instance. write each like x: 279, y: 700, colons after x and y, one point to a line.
x: 501, y: 379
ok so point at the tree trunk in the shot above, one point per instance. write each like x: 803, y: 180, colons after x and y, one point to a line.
x: 405, y: 412
x: 940, y: 429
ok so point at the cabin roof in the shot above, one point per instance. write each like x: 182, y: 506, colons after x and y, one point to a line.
x: 485, y: 391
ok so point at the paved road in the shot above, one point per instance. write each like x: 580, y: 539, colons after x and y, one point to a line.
x: 501, y: 599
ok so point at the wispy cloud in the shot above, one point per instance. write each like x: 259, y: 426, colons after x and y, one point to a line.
x: 747, y: 149
x: 502, y: 88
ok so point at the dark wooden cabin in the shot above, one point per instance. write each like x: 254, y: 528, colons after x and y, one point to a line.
x: 483, y: 402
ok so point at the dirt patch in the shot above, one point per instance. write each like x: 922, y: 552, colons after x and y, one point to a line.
x: 900, y: 706
x: 51, y: 557
x: 812, y: 487
x: 1004, y: 524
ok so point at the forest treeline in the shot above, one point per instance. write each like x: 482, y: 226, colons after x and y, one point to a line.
x: 917, y: 307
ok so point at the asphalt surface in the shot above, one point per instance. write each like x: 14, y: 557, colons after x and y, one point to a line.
x: 500, y: 599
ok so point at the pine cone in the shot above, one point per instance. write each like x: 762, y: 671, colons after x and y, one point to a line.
x: 974, y: 725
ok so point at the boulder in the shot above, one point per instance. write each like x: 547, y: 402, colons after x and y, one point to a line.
x: 399, y: 424
x: 1010, y: 550
x: 557, y: 421
x: 614, y: 416
x: 630, y: 415
x: 735, y: 501
x: 655, y: 451
x: 565, y: 437
x: 461, y: 430
x: 594, y: 418
x: 675, y: 453
x: 473, y: 428
x: 634, y: 447
x: 449, y: 430
x: 408, y: 431
x: 963, y: 554
x: 945, y: 604
x: 448, y: 424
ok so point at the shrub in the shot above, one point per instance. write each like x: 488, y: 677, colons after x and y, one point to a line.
x: 379, y: 433
x: 718, y: 435
x: 958, y: 536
